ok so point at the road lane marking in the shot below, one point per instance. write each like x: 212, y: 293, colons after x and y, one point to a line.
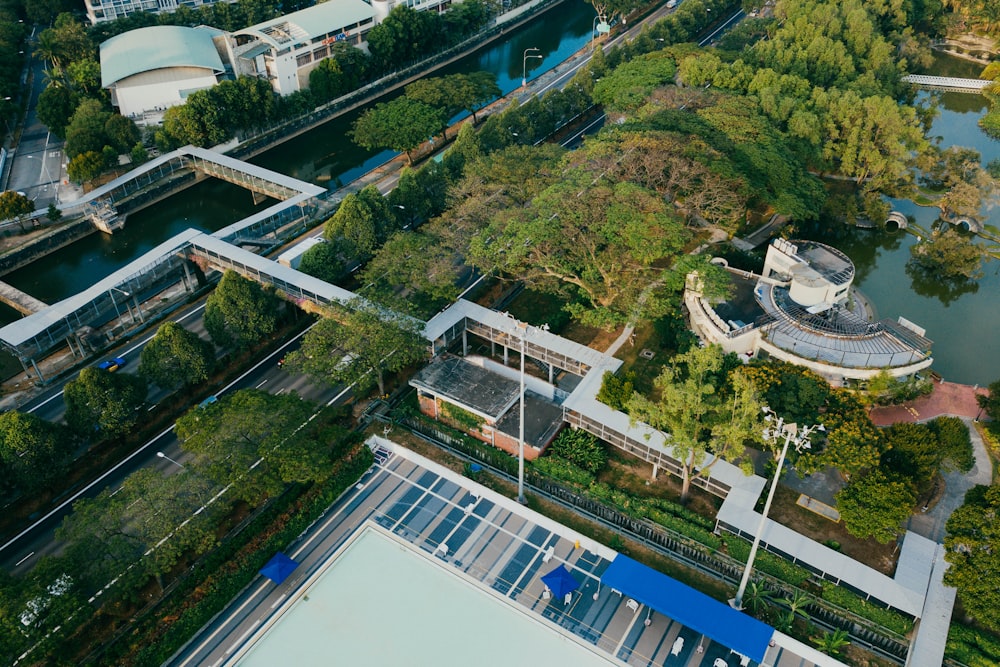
x: 24, y: 559
x: 243, y: 638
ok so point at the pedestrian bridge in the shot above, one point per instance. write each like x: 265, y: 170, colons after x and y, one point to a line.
x: 20, y: 301
x: 948, y: 82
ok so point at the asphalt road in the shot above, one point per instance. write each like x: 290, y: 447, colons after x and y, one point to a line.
x: 20, y: 552
x: 37, y: 162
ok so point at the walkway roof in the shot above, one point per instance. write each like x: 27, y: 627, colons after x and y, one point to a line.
x: 719, y: 622
x: 158, y: 47
x: 307, y: 24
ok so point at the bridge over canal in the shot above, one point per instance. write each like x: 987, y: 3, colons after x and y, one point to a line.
x: 948, y: 83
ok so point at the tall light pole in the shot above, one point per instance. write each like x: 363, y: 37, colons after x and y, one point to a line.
x: 792, y: 435
x: 111, y: 292
x: 520, y: 423
x: 164, y: 456
x: 524, y: 63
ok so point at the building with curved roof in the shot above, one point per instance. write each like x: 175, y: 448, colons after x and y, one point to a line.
x: 285, y: 49
x: 151, y: 69
x: 802, y: 309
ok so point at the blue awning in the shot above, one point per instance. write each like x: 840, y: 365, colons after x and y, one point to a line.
x: 560, y: 582
x: 278, y: 568
x: 717, y: 621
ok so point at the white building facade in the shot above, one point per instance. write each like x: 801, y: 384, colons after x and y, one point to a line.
x: 144, y: 80
x: 99, y: 11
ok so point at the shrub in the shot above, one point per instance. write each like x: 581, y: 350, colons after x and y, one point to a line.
x: 972, y: 647
x: 887, y: 618
x: 564, y: 471
x: 616, y: 390
x: 580, y: 448
x: 776, y: 566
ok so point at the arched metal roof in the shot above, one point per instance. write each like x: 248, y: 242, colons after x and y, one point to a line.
x: 158, y: 47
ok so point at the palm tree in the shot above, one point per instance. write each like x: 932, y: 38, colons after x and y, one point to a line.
x: 831, y: 642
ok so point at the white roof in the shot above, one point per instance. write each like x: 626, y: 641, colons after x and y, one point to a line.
x: 306, y: 24
x: 158, y: 47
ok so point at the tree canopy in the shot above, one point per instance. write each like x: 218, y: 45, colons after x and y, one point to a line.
x: 176, y: 357
x: 253, y: 440
x: 702, y: 412
x: 33, y: 452
x: 973, y: 532
x: 401, y: 124
x: 102, y: 404
x: 876, y: 505
x: 359, y: 346
x: 240, y: 312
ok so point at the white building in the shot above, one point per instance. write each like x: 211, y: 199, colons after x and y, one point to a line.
x: 284, y: 50
x: 99, y: 11
x: 142, y: 79
x: 802, y: 310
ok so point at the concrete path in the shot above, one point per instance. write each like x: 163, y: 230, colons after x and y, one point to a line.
x: 931, y: 524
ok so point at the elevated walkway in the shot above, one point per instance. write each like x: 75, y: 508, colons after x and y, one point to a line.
x: 948, y: 82
x: 20, y: 301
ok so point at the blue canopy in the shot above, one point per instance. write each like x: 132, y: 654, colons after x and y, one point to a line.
x: 278, y: 568
x: 717, y: 621
x: 560, y: 581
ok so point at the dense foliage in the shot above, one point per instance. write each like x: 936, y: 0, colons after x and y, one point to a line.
x: 971, y: 544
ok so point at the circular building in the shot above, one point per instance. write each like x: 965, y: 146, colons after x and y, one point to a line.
x: 801, y: 309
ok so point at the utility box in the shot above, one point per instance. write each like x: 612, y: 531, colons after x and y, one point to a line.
x: 293, y: 256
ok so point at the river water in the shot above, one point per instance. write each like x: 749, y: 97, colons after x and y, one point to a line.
x: 962, y: 325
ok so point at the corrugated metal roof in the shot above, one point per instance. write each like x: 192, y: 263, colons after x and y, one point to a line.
x: 157, y: 47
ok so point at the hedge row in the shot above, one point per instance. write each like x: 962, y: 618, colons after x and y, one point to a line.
x: 776, y: 566
x: 972, y: 647
x: 886, y: 618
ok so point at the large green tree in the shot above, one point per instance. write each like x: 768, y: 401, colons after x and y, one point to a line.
x: 86, y: 129
x: 402, y: 125
x: 14, y: 206
x: 102, y: 403
x: 33, y: 452
x: 973, y: 533
x: 876, y: 505
x: 240, y: 312
x: 360, y: 346
x: 254, y: 441
x: 137, y: 531
x: 705, y: 416
x: 456, y: 92
x: 604, y: 243
x: 947, y: 255
x: 918, y: 451
x: 176, y: 356
x: 361, y: 223
x: 55, y: 107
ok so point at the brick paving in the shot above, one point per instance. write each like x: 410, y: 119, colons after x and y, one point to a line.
x: 948, y: 398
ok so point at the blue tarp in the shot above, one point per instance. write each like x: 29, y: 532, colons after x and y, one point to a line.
x: 560, y: 582
x: 717, y: 621
x: 278, y: 568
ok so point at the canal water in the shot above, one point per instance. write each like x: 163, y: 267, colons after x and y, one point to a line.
x: 961, y: 324
x: 325, y: 156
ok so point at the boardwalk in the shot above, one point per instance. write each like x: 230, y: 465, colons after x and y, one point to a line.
x: 953, y: 83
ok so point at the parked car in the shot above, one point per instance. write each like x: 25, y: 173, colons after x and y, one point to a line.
x: 113, y: 364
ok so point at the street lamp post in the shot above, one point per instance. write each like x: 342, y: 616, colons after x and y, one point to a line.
x: 118, y: 312
x: 522, y: 330
x: 164, y: 456
x: 792, y: 435
x: 524, y: 63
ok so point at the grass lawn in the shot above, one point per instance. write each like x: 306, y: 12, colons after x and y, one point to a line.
x: 881, y: 557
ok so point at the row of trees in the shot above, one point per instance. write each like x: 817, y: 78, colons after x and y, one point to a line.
x: 218, y: 114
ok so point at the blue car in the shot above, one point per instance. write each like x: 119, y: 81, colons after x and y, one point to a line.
x: 111, y: 365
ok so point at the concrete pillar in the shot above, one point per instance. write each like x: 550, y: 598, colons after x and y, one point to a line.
x: 465, y: 343
x: 138, y: 309
x: 552, y: 368
x: 189, y: 283
x: 505, y: 349
x: 656, y: 469
x: 37, y: 371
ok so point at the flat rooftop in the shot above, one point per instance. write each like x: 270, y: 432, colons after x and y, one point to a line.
x: 467, y: 384
x: 480, y: 541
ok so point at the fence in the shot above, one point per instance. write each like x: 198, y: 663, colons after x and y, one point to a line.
x: 668, y: 542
